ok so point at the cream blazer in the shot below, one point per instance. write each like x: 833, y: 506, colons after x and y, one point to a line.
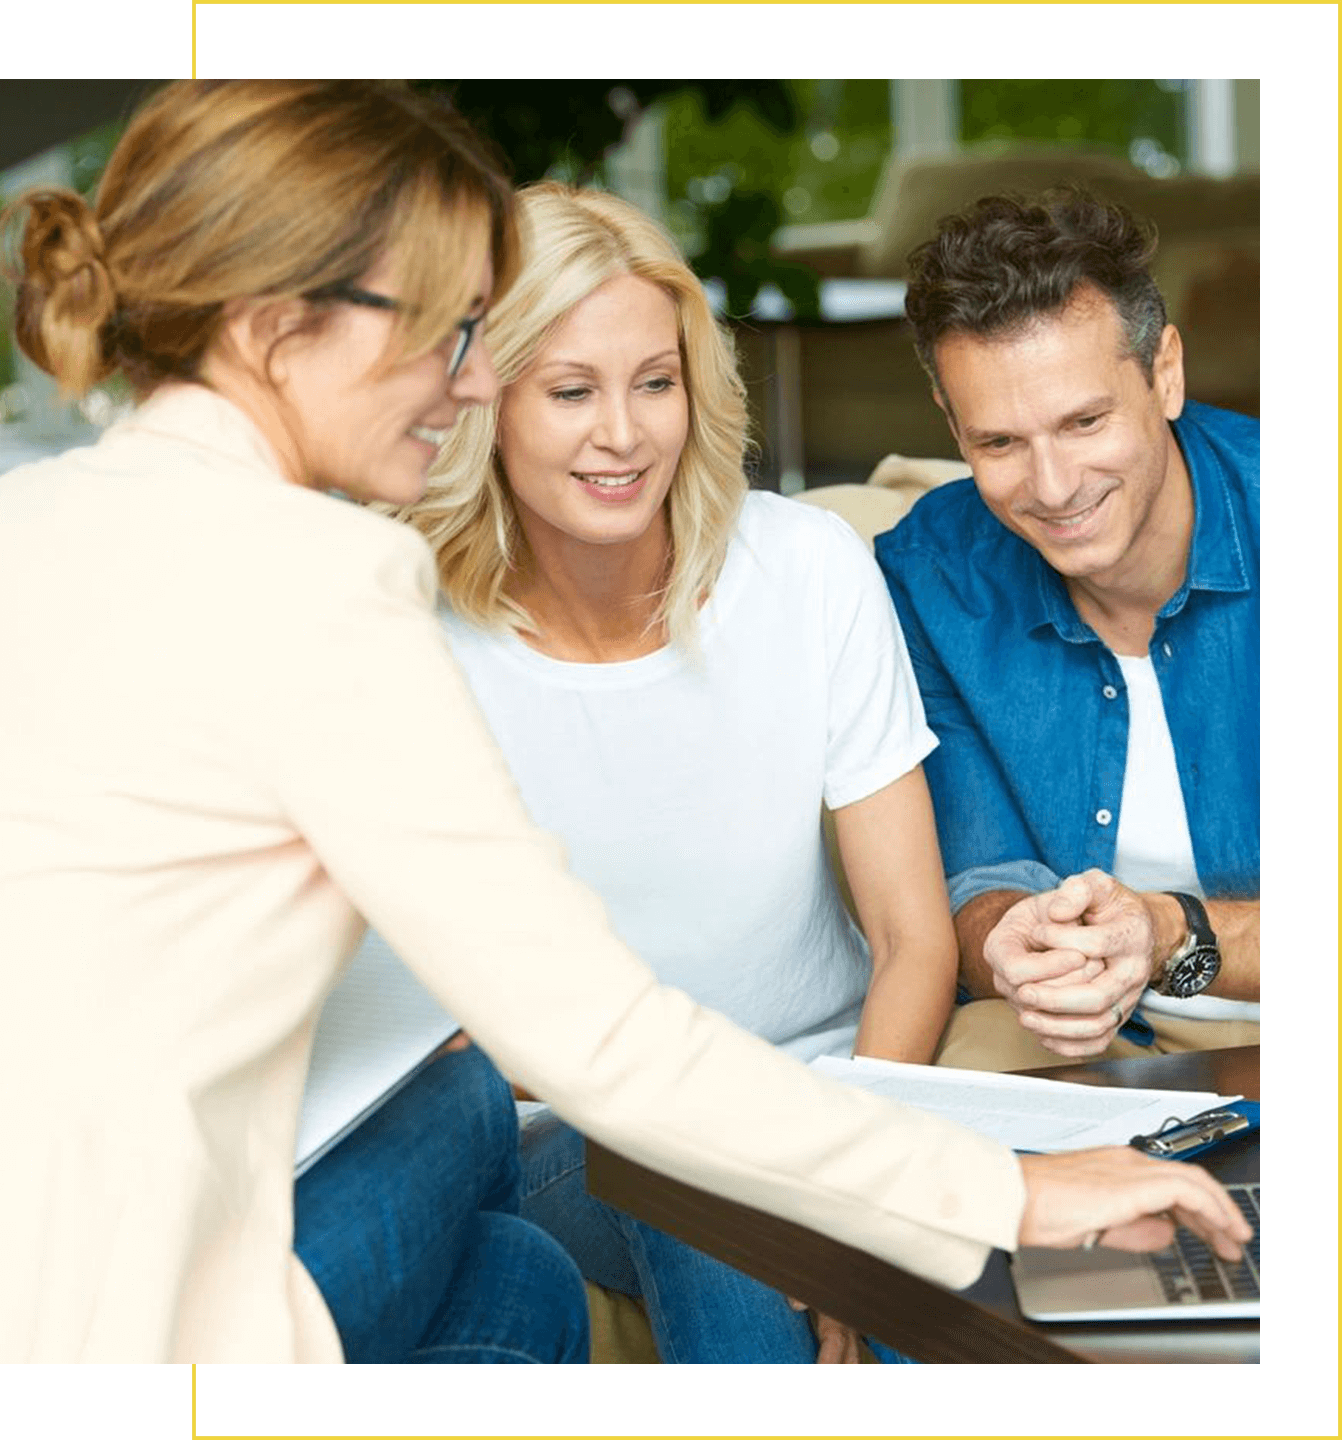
x: 231, y: 732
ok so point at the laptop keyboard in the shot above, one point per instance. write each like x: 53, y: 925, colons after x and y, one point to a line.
x: 1190, y: 1272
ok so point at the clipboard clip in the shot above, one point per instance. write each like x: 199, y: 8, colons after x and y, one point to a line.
x: 1180, y: 1137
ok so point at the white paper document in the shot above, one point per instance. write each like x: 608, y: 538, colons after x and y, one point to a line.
x: 1023, y: 1111
x: 378, y: 1026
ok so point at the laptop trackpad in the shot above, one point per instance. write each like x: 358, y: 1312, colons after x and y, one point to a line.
x: 1071, y: 1284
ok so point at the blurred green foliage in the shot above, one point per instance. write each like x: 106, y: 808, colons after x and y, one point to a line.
x: 823, y: 166
x: 723, y: 217
x: 6, y: 338
x: 1116, y: 113
x: 734, y: 176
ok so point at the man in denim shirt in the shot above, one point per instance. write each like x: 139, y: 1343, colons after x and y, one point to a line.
x: 1083, y: 621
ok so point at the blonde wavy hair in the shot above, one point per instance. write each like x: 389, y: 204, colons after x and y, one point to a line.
x: 573, y: 241
x: 221, y: 190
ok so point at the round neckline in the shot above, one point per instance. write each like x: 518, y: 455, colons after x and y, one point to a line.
x: 585, y: 672
x: 665, y: 660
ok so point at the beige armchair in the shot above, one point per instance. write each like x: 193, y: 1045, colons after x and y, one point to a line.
x: 888, y: 494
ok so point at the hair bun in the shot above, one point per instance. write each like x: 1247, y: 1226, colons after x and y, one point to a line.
x: 61, y: 236
x: 66, y: 294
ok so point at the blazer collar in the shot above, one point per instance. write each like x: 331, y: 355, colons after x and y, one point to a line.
x: 200, y: 417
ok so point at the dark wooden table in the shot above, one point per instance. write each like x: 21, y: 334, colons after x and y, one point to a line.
x: 980, y: 1325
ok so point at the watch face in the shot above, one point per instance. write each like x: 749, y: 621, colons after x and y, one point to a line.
x: 1192, y: 973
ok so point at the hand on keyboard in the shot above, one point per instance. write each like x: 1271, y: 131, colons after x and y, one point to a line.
x: 1127, y: 1200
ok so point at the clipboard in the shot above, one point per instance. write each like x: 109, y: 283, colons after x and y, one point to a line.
x: 1183, y: 1139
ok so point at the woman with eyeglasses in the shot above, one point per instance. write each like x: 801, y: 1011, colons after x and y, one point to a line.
x: 232, y: 734
x: 204, y: 781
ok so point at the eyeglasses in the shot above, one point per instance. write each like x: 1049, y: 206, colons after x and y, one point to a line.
x: 353, y: 295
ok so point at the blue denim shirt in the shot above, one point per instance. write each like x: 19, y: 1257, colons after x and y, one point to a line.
x: 1030, y: 706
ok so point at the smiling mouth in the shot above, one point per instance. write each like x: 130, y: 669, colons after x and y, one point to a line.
x: 430, y: 436
x: 1075, y: 520
x: 610, y: 482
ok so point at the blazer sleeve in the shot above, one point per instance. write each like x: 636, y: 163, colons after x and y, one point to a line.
x: 381, y: 762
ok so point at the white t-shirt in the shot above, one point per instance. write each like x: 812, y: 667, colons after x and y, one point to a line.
x: 1154, y: 847
x: 687, y: 790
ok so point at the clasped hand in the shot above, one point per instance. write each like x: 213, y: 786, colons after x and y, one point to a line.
x: 1073, y: 962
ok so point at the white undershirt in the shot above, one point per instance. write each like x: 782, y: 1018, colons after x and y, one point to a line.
x: 1154, y: 848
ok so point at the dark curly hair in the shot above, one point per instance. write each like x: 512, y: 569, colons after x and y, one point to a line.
x: 994, y: 267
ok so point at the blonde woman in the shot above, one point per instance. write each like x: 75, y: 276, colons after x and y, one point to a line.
x: 680, y: 673
x: 218, y: 677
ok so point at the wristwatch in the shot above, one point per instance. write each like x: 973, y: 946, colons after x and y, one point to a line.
x: 1197, y: 961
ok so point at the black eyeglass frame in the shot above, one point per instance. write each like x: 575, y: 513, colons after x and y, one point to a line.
x: 371, y: 300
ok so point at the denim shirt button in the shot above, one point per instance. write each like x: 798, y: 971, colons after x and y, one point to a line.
x: 1103, y: 817
x: 1109, y: 693
x: 1168, y: 649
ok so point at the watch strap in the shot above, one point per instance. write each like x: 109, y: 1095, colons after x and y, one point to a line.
x: 1196, y: 962
x: 1200, y: 930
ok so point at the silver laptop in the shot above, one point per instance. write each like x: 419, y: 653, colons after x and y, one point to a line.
x: 1185, y: 1282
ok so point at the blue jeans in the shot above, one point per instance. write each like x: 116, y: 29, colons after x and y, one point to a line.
x: 410, y: 1228
x: 702, y: 1312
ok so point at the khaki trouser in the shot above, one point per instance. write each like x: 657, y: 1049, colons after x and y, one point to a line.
x: 985, y: 1035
